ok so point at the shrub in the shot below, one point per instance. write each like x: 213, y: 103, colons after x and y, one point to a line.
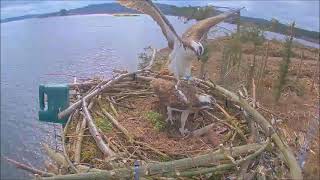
x: 103, y: 124
x: 284, y: 66
x: 156, y: 120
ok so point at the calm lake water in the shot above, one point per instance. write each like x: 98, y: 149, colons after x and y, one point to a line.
x: 54, y: 50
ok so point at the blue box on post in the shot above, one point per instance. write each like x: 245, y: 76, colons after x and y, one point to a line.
x: 57, y: 99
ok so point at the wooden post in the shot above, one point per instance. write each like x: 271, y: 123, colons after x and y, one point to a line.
x: 238, y: 22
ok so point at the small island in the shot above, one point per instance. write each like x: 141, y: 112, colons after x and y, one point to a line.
x: 123, y: 14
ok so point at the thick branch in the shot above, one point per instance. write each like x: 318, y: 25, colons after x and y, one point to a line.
x: 77, y: 153
x: 203, y: 130
x: 199, y: 171
x: 95, y: 133
x: 152, y: 59
x: 77, y: 104
x: 117, y: 124
x: 29, y: 168
x: 223, y: 167
x: 82, y: 85
x: 66, y: 156
x: 55, y: 156
x: 150, y: 169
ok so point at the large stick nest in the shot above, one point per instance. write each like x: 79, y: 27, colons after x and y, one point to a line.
x: 130, y: 121
x: 137, y: 109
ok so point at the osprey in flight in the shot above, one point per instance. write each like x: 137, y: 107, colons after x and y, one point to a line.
x: 184, y: 49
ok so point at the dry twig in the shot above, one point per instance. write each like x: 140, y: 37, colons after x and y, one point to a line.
x: 29, y: 168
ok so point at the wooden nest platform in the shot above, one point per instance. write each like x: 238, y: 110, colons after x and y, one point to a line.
x: 117, y: 130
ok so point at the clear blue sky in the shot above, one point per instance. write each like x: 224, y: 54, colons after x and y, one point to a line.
x: 304, y: 12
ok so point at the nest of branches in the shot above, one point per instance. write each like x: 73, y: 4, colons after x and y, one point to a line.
x: 116, y: 130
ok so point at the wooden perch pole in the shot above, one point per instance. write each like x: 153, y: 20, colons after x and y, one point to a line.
x: 95, y: 133
x: 238, y: 21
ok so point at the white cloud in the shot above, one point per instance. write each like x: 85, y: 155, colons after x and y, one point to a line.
x: 19, y: 8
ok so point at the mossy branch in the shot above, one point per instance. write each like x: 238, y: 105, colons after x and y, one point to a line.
x: 152, y: 169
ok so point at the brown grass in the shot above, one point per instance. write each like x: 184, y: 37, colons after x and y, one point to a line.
x: 295, y: 108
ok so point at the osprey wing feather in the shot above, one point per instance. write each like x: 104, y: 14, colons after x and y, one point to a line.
x: 197, y: 31
x: 147, y: 7
x: 183, y: 50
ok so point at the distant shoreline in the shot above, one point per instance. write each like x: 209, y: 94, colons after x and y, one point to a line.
x: 115, y: 9
x: 124, y: 14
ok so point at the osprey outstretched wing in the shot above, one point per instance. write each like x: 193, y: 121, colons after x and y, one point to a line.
x: 184, y: 49
x: 201, y: 28
x: 147, y: 7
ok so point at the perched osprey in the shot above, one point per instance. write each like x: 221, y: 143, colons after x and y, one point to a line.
x: 183, y: 97
x: 184, y: 49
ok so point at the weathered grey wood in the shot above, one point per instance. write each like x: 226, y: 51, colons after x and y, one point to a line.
x: 209, y: 159
x: 152, y: 59
x: 77, y: 152
x: 81, y: 85
x: 29, y: 168
x: 203, y: 130
x: 66, y: 156
x: 55, y: 156
x: 95, y: 133
x: 117, y: 124
x: 77, y: 104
